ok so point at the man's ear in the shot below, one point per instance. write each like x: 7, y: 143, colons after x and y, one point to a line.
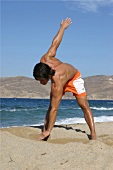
x: 52, y: 72
x: 50, y: 76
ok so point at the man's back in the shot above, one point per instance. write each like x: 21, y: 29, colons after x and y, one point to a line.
x: 63, y: 71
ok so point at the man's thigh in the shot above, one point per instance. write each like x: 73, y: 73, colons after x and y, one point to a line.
x: 82, y: 101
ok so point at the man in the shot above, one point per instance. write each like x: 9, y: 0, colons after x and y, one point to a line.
x: 64, y: 77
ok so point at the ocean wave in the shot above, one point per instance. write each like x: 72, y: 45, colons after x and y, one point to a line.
x: 82, y: 120
x: 23, y: 109
x: 110, y: 102
x: 103, y: 119
x: 69, y: 108
x: 16, y: 109
x: 35, y: 109
x: 101, y: 108
x: 69, y: 121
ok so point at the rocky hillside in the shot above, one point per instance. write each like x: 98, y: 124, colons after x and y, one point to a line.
x: 98, y: 87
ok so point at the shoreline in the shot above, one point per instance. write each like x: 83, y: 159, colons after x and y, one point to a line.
x: 68, y: 147
x: 57, y: 124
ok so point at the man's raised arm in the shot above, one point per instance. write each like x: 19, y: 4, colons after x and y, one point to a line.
x: 58, y: 38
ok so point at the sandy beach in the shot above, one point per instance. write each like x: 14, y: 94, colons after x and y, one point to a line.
x: 68, y: 148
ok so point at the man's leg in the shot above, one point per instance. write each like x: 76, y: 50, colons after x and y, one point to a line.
x: 83, y: 103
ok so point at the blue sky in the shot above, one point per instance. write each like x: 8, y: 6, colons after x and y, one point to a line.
x: 28, y: 28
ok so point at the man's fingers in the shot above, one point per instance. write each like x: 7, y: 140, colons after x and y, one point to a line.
x: 68, y: 20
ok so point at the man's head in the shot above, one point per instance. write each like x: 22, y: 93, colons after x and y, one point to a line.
x: 42, y: 73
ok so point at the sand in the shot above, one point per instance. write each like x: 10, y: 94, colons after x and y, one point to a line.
x: 68, y: 148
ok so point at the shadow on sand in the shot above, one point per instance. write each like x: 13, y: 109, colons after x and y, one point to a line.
x: 65, y: 127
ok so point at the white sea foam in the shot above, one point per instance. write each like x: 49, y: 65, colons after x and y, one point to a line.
x: 82, y: 120
x: 101, y: 108
x: 70, y: 121
x: 63, y: 108
x: 103, y: 119
x: 22, y: 109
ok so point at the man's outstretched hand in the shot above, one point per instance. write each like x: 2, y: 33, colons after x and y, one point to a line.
x: 65, y: 23
x: 43, y: 135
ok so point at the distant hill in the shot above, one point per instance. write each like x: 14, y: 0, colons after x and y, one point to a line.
x: 98, y: 87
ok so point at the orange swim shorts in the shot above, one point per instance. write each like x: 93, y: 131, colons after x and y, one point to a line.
x: 76, y: 86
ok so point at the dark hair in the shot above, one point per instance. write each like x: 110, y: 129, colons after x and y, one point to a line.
x: 42, y: 70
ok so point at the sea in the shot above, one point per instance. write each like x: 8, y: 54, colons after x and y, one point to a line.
x: 16, y: 112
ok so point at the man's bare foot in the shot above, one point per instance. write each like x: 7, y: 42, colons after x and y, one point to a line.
x: 44, y: 135
x: 93, y: 136
x: 41, y: 136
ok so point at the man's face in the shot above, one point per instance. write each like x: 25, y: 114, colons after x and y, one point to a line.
x: 42, y: 81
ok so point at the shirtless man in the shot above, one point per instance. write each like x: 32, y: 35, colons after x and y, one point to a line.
x: 64, y: 77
